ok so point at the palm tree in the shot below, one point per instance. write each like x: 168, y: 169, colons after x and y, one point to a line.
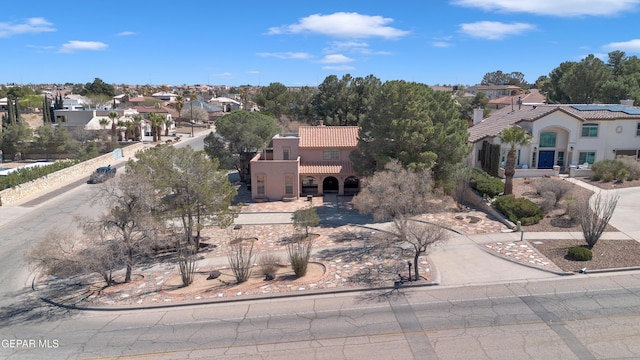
x: 167, y: 125
x: 113, y: 116
x: 137, y: 121
x: 104, y: 122
x: 159, y: 121
x: 179, y: 106
x: 514, y: 136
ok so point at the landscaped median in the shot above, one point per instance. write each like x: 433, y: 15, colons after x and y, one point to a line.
x: 64, y: 176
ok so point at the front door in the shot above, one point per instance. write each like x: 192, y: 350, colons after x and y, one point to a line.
x: 545, y: 159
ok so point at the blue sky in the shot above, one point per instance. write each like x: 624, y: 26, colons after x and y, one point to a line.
x: 302, y: 42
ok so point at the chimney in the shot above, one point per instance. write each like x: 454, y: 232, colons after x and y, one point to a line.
x: 478, y: 114
x: 628, y: 102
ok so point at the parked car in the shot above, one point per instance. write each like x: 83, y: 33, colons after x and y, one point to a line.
x: 102, y: 174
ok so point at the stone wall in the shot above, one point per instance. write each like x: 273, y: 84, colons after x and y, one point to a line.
x: 64, y: 176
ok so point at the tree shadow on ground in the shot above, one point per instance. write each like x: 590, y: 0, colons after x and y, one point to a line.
x: 28, y: 307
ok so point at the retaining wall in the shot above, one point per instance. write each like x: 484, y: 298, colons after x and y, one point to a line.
x: 64, y: 176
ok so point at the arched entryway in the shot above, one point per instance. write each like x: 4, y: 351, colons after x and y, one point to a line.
x: 351, y: 185
x: 330, y: 184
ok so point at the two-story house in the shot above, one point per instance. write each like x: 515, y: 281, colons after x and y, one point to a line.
x: 314, y: 161
x: 563, y: 135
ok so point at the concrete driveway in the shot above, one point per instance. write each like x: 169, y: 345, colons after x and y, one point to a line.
x: 626, y: 216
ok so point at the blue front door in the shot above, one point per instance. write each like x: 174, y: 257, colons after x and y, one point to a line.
x: 545, y: 159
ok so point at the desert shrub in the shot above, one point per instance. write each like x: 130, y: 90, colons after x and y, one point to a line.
x: 632, y: 166
x: 485, y: 184
x: 241, y: 257
x: 519, y: 209
x: 579, y: 253
x: 548, y: 202
x: 299, y: 252
x: 269, y: 264
x: 609, y: 170
x: 558, y: 187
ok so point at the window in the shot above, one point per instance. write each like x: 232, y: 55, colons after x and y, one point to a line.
x: 534, y: 156
x: 590, y: 130
x: 285, y: 154
x: 260, y: 186
x: 638, y: 129
x: 586, y: 157
x: 288, y: 185
x: 548, y: 139
x: 560, y: 161
x: 331, y: 154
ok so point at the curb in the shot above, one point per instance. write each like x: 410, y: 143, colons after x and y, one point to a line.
x: 226, y: 301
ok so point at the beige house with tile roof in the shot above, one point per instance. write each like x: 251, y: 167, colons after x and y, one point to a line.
x: 563, y: 135
x: 314, y: 161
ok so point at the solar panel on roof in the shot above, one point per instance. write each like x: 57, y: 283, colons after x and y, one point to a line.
x: 613, y: 108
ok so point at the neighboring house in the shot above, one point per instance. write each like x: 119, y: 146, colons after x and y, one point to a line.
x: 496, y: 91
x: 214, y: 111
x: 4, y: 104
x: 225, y: 103
x: 314, y: 161
x: 530, y: 97
x: 89, y: 119
x: 165, y: 96
x: 146, y: 110
x: 563, y: 135
x: 74, y: 102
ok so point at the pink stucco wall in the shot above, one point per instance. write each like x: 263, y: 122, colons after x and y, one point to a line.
x: 274, y: 172
x: 291, y: 142
x: 312, y: 154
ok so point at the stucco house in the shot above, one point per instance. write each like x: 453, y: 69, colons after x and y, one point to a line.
x: 565, y: 136
x: 314, y: 161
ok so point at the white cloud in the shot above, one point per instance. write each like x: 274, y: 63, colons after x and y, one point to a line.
x: 442, y: 44
x: 31, y: 26
x: 627, y: 46
x: 561, y: 8
x: 126, y: 33
x: 343, y: 25
x: 75, y: 45
x: 253, y: 72
x: 493, y: 30
x: 338, y: 67
x: 336, y: 59
x: 287, y: 55
x: 225, y: 74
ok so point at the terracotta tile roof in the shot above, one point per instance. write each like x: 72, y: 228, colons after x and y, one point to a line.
x: 328, y: 136
x: 505, y: 117
x: 326, y: 167
x: 533, y: 96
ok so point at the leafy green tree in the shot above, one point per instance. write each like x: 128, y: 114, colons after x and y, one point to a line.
x: 191, y: 187
x: 98, y: 87
x: 14, y: 137
x: 240, y: 136
x: 304, y: 219
x: 415, y: 125
x: 583, y: 82
x: 274, y: 99
x: 347, y: 101
x: 553, y: 89
x: 302, y: 105
x: 51, y: 139
x: 31, y: 102
x: 499, y: 78
x: 515, y: 136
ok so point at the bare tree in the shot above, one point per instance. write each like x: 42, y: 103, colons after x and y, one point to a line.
x: 130, y: 202
x: 420, y: 237
x: 397, y: 194
x: 593, y: 214
x: 55, y: 254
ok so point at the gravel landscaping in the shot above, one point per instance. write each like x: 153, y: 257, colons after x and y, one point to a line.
x: 607, y: 254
